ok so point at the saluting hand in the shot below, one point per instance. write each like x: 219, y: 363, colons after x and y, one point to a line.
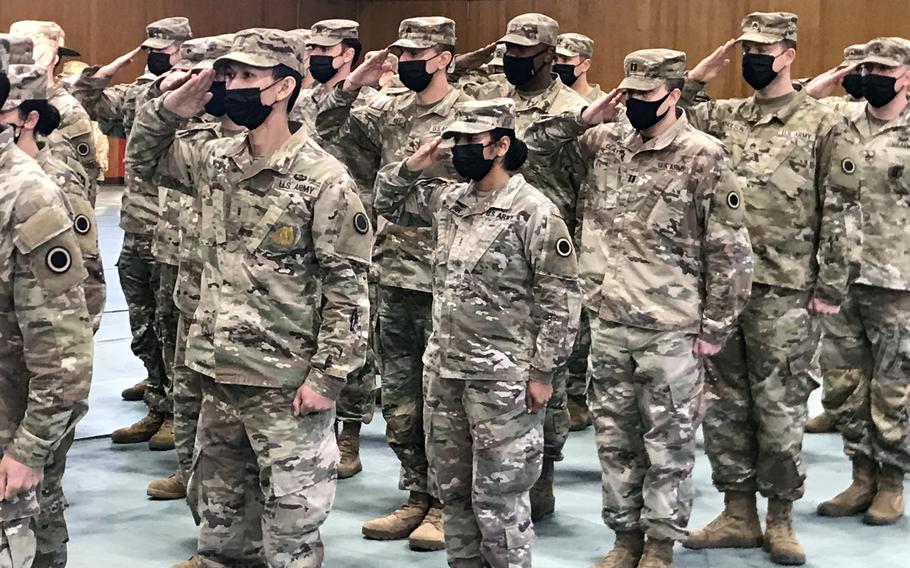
x: 425, y: 156
x: 603, y: 109
x: 188, y: 100
x: 711, y: 66
x: 824, y: 84
x: 476, y: 58
x: 116, y: 65
x: 369, y: 72
x: 173, y: 79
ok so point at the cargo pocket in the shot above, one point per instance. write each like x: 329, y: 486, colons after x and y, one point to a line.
x: 803, y: 366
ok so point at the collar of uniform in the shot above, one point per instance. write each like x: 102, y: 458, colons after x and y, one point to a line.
x: 635, y: 143
x: 752, y: 110
x: 279, y: 161
x: 443, y: 107
x: 541, y: 101
x: 902, y: 120
x: 502, y: 199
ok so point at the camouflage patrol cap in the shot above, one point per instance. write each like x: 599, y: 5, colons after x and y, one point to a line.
x: 498, y: 55
x: 531, y: 29
x: 19, y: 51
x: 648, y: 69
x: 331, y: 32
x: 768, y: 27
x: 887, y: 51
x: 302, y: 38
x: 164, y: 33
x: 4, y: 52
x: 474, y: 117
x: 27, y: 83
x: 263, y: 47
x: 573, y: 45
x: 43, y: 32
x: 392, y: 59
x: 215, y: 47
x: 853, y: 55
x: 422, y: 33
x: 192, y: 51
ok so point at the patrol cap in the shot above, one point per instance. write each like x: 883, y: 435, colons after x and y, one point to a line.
x: 4, y: 52
x: 421, y: 33
x: 531, y: 29
x: 328, y: 33
x: 574, y: 45
x: 887, y: 51
x: 853, y: 55
x: 44, y: 32
x: 192, y: 51
x: 27, y: 83
x: 263, y: 47
x: 215, y: 47
x: 768, y: 27
x: 648, y: 69
x: 302, y: 38
x: 392, y: 59
x: 474, y: 117
x: 19, y: 49
x: 498, y: 54
x: 164, y: 33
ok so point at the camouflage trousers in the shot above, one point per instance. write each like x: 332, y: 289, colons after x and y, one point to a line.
x: 866, y: 361
x: 187, y: 404
x: 757, y: 395
x: 50, y: 525
x: 485, y: 452
x: 17, y: 543
x: 404, y: 327
x: 577, y: 384
x: 166, y: 323
x: 269, y: 478
x: 646, y: 392
x: 139, y: 274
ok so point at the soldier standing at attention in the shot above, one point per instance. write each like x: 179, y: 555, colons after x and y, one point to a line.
x: 574, y: 53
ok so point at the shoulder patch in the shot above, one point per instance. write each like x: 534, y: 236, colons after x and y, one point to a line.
x: 82, y: 149
x: 82, y: 224
x: 848, y: 166
x: 58, y: 259
x: 563, y: 247
x: 361, y: 223
x: 733, y: 200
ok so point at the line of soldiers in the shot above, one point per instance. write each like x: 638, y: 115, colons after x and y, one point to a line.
x: 647, y: 260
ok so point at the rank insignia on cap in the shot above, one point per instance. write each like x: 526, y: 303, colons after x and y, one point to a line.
x: 361, y: 224
x: 59, y: 260
x: 285, y: 236
x: 848, y: 166
x: 733, y: 200
x: 563, y: 247
x: 633, y: 66
x: 82, y: 225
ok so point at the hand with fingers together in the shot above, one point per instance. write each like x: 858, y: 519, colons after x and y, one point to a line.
x: 425, y: 156
x: 115, y: 66
x: 823, y: 85
x: 188, y: 99
x: 369, y: 72
x: 604, y: 109
x: 711, y: 66
x: 476, y: 58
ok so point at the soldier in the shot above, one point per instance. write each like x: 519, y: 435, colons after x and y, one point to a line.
x: 75, y: 127
x: 573, y: 61
x: 114, y: 108
x: 294, y: 226
x: 71, y: 71
x: 303, y: 36
x: 664, y: 210
x: 505, y: 307
x: 47, y: 357
x: 783, y: 146
x: 868, y: 389
x: 390, y: 128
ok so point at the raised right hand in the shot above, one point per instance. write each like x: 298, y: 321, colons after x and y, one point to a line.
x: 116, y: 65
x: 603, y: 109
x: 476, y: 58
x: 425, y: 156
x: 369, y: 72
x: 824, y: 84
x: 711, y: 66
x: 188, y: 100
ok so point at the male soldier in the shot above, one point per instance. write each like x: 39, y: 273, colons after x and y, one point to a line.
x: 664, y: 209
x: 868, y: 390
x: 114, y: 108
x: 46, y: 361
x: 392, y: 128
x: 573, y: 61
x: 530, y: 51
x: 783, y: 146
x: 278, y: 214
x: 75, y: 125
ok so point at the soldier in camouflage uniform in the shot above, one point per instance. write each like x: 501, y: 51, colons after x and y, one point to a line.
x: 390, y: 128
x: 574, y: 53
x: 114, y: 108
x: 784, y: 148
x: 870, y: 361
x: 666, y: 265
x: 506, y: 299
x: 278, y: 214
x: 46, y: 365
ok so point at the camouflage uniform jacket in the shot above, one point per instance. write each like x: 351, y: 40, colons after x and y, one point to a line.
x: 392, y: 128
x: 839, y: 103
x: 506, y: 296
x: 286, y: 249
x: 796, y: 193
x: 45, y: 333
x: 596, y: 93
x: 663, y: 241
x: 76, y: 131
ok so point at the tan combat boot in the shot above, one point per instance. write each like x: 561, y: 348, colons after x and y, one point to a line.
x: 856, y: 498
x: 543, y: 502
x: 888, y: 505
x: 166, y: 489
x: 658, y: 553
x: 737, y: 526
x: 822, y: 424
x: 429, y: 535
x: 135, y: 392
x: 193, y: 562
x: 626, y: 551
x: 349, y: 446
x: 141, y: 431
x: 780, y: 538
x: 164, y: 437
x: 579, y: 414
x: 401, y: 522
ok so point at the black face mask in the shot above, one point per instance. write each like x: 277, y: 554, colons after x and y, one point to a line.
x: 853, y: 84
x: 643, y: 114
x: 566, y: 72
x: 879, y: 89
x: 216, y: 106
x: 321, y: 68
x: 245, y: 108
x: 520, y: 70
x: 414, y: 75
x: 469, y: 161
x: 159, y: 63
x: 758, y: 70
x: 4, y: 88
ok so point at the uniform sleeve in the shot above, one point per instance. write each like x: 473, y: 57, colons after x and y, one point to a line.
x: 727, y: 251
x: 56, y: 333
x: 556, y: 291
x: 103, y: 103
x: 359, y: 126
x: 153, y: 154
x: 701, y: 111
x: 342, y: 237
x: 76, y: 130
x: 397, y: 189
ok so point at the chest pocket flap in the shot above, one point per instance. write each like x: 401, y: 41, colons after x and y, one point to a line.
x: 479, y: 233
x: 265, y: 223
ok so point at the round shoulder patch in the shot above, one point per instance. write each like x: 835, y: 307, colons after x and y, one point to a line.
x: 82, y: 225
x: 82, y: 149
x: 563, y: 247
x: 361, y: 224
x: 733, y: 200
x: 848, y: 166
x: 59, y: 260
